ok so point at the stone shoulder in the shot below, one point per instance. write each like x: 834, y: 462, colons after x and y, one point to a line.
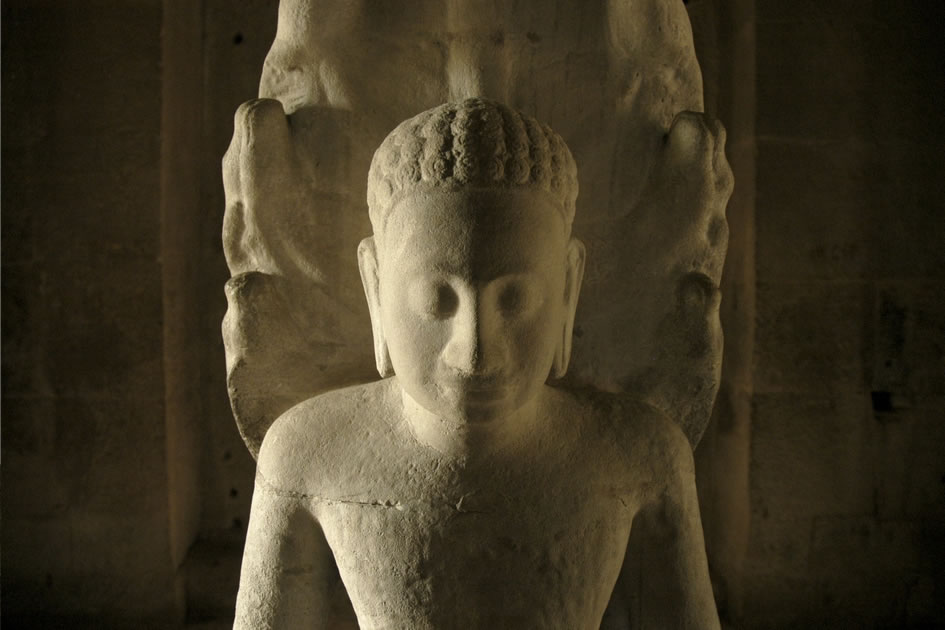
x: 654, y: 449
x: 667, y: 437
x: 303, y: 446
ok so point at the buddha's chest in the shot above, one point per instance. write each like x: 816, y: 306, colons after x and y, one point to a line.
x: 525, y: 551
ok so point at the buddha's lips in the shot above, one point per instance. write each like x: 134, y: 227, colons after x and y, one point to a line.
x: 477, y: 389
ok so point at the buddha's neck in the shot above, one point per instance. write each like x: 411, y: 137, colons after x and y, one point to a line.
x: 470, y: 440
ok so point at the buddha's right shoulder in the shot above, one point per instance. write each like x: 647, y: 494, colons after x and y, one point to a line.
x: 329, y: 409
x: 309, y: 437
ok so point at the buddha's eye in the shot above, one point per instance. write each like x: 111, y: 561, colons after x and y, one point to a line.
x: 433, y: 300
x: 517, y: 299
x: 510, y: 299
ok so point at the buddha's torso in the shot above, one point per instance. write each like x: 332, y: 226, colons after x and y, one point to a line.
x: 529, y: 539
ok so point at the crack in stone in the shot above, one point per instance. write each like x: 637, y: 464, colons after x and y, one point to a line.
x: 400, y: 506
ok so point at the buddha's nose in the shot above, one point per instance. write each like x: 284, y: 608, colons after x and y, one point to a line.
x: 474, y: 346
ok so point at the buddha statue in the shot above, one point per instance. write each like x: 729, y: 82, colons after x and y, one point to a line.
x: 462, y: 490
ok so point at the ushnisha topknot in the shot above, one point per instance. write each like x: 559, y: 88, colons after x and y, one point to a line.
x: 475, y: 143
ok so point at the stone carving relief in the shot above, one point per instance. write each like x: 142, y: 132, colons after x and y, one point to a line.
x: 619, y: 82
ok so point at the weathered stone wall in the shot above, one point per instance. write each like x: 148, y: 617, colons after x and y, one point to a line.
x: 237, y: 37
x: 85, y: 528
x: 725, y: 44
x: 848, y: 426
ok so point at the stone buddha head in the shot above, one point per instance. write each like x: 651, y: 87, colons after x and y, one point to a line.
x: 472, y: 276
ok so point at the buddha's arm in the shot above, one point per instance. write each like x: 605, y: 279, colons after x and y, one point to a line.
x: 287, y: 565
x: 674, y: 589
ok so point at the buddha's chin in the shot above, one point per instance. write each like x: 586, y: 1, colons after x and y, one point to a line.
x: 471, y: 407
x: 480, y: 412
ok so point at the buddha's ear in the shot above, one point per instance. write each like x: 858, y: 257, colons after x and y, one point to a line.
x: 574, y: 274
x: 367, y: 263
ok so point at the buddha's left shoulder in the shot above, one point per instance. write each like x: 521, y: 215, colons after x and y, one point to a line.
x: 647, y: 420
x: 643, y: 434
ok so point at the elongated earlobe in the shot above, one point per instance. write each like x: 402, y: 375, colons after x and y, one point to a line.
x: 367, y: 263
x: 574, y: 275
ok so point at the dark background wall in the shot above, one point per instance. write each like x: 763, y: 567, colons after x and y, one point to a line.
x: 848, y: 415
x: 125, y: 487
x: 84, y: 478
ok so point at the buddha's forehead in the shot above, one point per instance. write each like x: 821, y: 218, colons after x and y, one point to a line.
x: 474, y: 227
x: 452, y: 212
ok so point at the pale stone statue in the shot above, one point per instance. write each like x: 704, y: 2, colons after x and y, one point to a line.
x: 619, y: 81
x: 610, y: 76
x: 461, y: 491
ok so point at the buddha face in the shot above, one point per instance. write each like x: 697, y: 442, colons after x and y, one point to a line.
x: 473, y: 295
